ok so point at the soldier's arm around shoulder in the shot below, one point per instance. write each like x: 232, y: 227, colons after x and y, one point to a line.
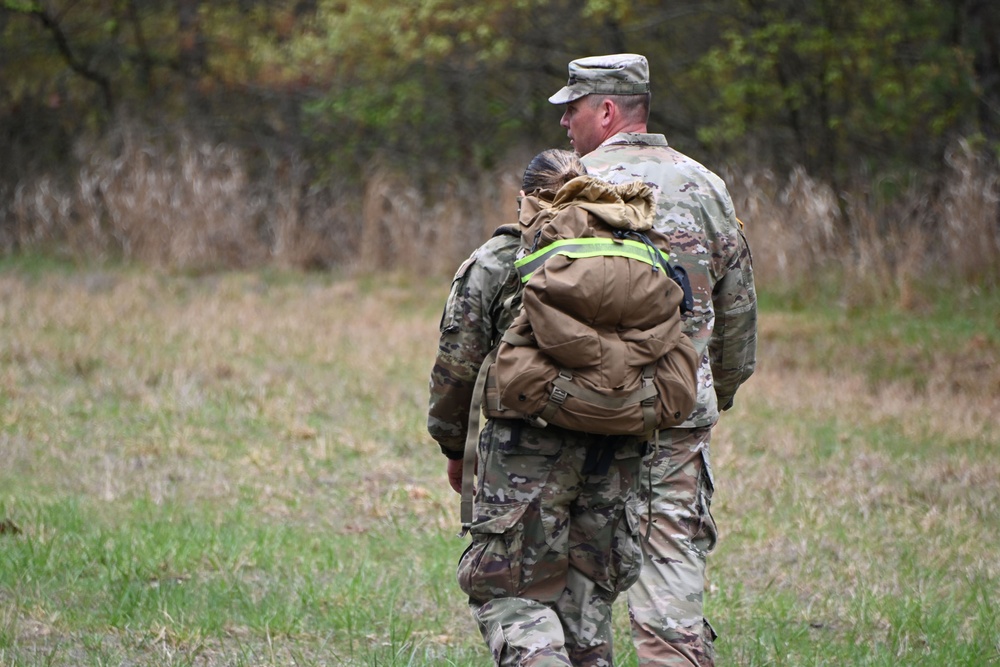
x: 468, y: 331
x: 733, y: 345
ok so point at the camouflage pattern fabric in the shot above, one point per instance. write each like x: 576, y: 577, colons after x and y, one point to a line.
x: 695, y: 211
x: 473, y: 320
x: 618, y: 74
x: 554, y: 541
x: 665, y: 605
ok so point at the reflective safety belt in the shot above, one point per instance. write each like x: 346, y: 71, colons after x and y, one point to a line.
x: 591, y: 247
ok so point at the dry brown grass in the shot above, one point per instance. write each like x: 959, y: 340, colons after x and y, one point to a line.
x: 177, y: 202
x: 304, y: 399
x: 844, y: 521
x: 284, y: 355
x: 879, y: 248
x: 209, y: 371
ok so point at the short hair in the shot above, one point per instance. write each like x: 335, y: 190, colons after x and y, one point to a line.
x: 550, y: 170
x: 634, y: 107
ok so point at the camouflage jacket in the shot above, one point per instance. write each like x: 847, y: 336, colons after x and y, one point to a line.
x: 473, y: 320
x: 695, y: 211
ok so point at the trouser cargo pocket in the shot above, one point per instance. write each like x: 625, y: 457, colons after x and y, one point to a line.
x: 491, y: 566
x: 605, y: 547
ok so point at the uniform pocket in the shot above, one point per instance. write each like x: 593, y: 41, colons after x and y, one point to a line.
x: 605, y: 547
x: 707, y: 534
x: 627, y: 550
x: 451, y: 318
x: 491, y: 566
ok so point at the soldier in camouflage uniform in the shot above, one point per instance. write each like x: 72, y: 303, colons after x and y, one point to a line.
x: 555, y: 537
x: 606, y: 107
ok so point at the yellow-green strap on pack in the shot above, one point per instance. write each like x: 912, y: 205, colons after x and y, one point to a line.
x: 590, y: 247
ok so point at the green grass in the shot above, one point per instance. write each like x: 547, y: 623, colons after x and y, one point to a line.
x: 232, y: 469
x: 945, y: 336
x: 220, y: 574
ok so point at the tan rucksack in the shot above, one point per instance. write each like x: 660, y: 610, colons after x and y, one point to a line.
x: 597, y: 344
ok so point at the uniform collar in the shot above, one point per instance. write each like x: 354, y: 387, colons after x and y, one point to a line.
x: 635, y: 139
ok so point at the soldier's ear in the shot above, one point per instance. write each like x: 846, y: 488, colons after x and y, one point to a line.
x: 607, y: 112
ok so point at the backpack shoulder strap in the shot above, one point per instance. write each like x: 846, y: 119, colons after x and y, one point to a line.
x: 509, y: 230
x: 472, y: 442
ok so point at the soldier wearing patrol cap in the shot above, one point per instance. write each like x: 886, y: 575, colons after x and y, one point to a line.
x: 624, y: 74
x: 621, y: 81
x: 606, y: 108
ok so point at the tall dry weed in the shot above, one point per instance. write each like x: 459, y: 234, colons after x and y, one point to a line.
x: 431, y: 232
x: 39, y: 210
x: 173, y: 200
x: 970, y: 213
x: 879, y: 248
x: 186, y: 206
x: 889, y: 249
x: 792, y: 225
x: 170, y: 199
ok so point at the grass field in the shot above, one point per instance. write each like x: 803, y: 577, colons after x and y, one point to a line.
x: 232, y: 469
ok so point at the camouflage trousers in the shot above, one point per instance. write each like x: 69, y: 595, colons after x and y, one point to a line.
x: 554, y: 541
x: 665, y: 605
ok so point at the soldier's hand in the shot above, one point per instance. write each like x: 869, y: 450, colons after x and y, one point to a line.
x: 455, y: 474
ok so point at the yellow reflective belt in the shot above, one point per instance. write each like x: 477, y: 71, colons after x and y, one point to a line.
x: 587, y: 247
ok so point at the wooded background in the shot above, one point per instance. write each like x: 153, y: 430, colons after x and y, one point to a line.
x: 237, y: 132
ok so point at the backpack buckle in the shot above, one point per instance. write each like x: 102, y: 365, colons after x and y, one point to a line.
x: 558, y: 395
x: 647, y: 380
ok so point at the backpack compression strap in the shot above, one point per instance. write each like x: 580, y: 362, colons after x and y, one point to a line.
x: 563, y: 387
x: 590, y: 247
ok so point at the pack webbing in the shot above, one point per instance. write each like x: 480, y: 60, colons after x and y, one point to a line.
x: 563, y: 387
x: 590, y: 247
x: 472, y: 443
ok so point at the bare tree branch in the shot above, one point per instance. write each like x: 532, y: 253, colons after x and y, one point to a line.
x: 62, y: 44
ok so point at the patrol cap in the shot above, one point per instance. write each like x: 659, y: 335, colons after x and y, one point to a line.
x: 619, y: 74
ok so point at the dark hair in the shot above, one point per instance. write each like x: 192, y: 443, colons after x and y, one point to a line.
x: 550, y: 170
x: 634, y: 107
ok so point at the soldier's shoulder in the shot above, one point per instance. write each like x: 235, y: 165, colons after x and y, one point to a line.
x: 494, y: 256
x: 502, y: 246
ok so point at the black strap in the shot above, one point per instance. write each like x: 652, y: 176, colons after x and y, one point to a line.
x: 507, y: 230
x: 601, y: 455
x: 676, y: 272
x: 680, y: 276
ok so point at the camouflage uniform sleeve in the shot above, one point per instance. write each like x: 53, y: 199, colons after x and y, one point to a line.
x: 733, y: 344
x: 471, y: 325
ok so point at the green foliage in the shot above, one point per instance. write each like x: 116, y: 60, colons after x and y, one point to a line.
x: 454, y: 84
x: 20, y: 5
x: 418, y: 76
x: 831, y: 85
